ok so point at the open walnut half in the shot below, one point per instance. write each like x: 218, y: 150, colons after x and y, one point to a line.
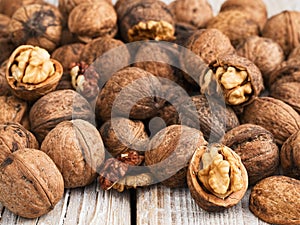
x: 216, y: 177
x: 31, y: 73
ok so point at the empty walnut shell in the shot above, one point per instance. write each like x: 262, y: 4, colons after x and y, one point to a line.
x: 169, y: 152
x: 284, y: 29
x: 235, y: 24
x: 30, y: 183
x: 56, y: 107
x: 120, y: 135
x: 76, y: 139
x: 36, y: 24
x: 237, y: 174
x: 257, y: 149
x: 8, y: 7
x: 194, y: 12
x: 275, y: 200
x: 31, y: 91
x: 290, y: 156
x: 274, y: 115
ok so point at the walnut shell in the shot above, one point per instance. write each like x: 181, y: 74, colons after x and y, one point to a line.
x: 13, y: 109
x: 29, y: 91
x: 204, y: 198
x: 295, y: 53
x: 169, y: 152
x: 76, y: 139
x: 257, y: 149
x: 194, y: 12
x: 284, y: 29
x: 274, y: 115
x: 56, y: 107
x: 90, y: 20
x: 36, y: 24
x: 275, y: 200
x: 30, y: 183
x: 235, y: 24
x: 130, y: 92
x: 4, y: 87
x: 122, y: 135
x: 8, y: 7
x: 290, y: 156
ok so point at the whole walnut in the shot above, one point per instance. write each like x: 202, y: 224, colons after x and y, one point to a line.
x: 194, y: 12
x: 55, y: 107
x: 122, y: 135
x: 257, y: 149
x: 77, y: 150
x: 284, y: 28
x: 90, y: 20
x: 36, y: 24
x: 169, y: 152
x: 13, y: 137
x: 266, y: 54
x: 8, y: 7
x: 235, y: 24
x: 30, y: 183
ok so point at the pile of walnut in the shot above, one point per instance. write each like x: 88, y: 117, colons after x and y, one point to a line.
x: 64, y: 122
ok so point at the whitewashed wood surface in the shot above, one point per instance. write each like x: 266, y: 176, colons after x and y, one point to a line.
x: 155, y: 205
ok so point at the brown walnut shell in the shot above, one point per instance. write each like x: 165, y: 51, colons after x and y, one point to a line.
x: 38, y: 25
x: 76, y: 139
x: 31, y: 92
x: 290, y: 156
x: 284, y: 28
x: 275, y: 200
x: 257, y: 149
x: 30, y: 183
x: 274, y: 115
x: 120, y: 135
x: 8, y: 7
x: 295, y: 53
x: 56, y: 107
x: 194, y: 12
x: 169, y: 152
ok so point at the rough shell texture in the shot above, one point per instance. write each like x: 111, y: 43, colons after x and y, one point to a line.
x: 77, y: 150
x: 37, y: 24
x: 194, y: 12
x: 274, y: 115
x: 290, y: 156
x: 257, y: 149
x: 14, y: 137
x: 235, y: 24
x: 9, y: 7
x: 90, y: 20
x: 121, y: 135
x: 275, y: 200
x: 130, y: 92
x: 30, y: 183
x: 204, y: 199
x: 284, y: 28
x: 170, y: 151
x: 56, y: 107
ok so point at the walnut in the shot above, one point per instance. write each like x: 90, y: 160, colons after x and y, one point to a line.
x: 30, y: 183
x: 169, y: 152
x: 266, y: 54
x: 290, y: 156
x: 36, y: 24
x: 283, y: 28
x: 8, y: 7
x: 145, y: 19
x: 295, y: 53
x: 130, y: 92
x: 4, y: 87
x: 120, y: 135
x: 216, y: 177
x: 235, y: 24
x: 31, y: 73
x: 77, y: 150
x: 13, y: 137
x: 90, y: 20
x: 257, y: 149
x: 194, y: 12
x: 12, y: 109
x: 56, y: 107
x: 255, y: 8
x: 274, y: 115
x: 235, y: 78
